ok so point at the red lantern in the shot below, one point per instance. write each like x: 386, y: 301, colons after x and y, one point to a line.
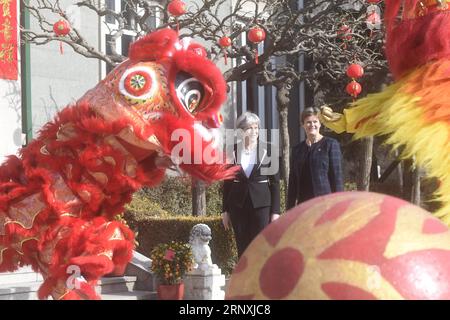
x: 373, y: 1
x: 225, y: 42
x: 256, y: 35
x: 353, y: 88
x: 355, y: 71
x: 61, y: 28
x: 176, y: 8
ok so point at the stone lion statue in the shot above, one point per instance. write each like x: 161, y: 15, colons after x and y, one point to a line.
x: 199, y: 242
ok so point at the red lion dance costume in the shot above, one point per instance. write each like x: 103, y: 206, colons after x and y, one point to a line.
x: 414, y: 111
x: 58, y: 200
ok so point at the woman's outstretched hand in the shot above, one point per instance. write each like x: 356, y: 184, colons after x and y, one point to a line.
x: 226, y: 220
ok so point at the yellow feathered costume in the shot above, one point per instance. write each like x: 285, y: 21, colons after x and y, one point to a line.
x: 415, y: 110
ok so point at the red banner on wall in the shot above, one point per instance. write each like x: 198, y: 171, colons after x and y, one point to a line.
x: 8, y: 39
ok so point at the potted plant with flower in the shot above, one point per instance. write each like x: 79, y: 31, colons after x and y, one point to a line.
x: 170, y: 262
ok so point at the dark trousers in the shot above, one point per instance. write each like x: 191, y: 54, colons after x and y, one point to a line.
x: 248, y: 223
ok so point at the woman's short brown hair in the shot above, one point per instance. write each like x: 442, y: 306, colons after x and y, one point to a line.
x: 310, y: 111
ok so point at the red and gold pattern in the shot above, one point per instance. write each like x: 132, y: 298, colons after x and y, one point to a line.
x: 8, y: 40
x: 350, y: 245
x: 59, y: 198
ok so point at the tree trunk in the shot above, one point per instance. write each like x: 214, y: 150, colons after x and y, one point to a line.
x: 407, y: 179
x: 283, y: 108
x: 365, y: 164
x: 415, y: 192
x: 400, y: 171
x: 412, y: 175
x: 198, y: 198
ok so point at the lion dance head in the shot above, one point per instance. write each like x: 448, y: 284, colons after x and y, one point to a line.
x: 166, y: 94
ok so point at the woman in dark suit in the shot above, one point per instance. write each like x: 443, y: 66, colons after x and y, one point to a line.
x: 316, y: 167
x: 252, y: 199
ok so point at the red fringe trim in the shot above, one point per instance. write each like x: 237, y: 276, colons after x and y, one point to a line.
x: 414, y: 42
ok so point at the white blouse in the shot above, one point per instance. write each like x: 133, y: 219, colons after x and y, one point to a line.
x: 248, y: 161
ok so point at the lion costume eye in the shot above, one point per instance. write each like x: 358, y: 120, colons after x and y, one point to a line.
x: 137, y: 83
x: 190, y: 91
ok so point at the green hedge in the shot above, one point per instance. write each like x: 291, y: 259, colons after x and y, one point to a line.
x: 142, y: 207
x: 174, y: 196
x: 154, y: 230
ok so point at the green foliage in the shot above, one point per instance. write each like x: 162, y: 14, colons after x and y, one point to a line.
x: 155, y: 230
x: 171, y: 261
x: 174, y: 197
x: 214, y: 199
x: 142, y: 206
x: 350, y: 186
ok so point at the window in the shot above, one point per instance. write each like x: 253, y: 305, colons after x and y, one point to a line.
x: 110, y: 26
x: 126, y: 41
x: 110, y: 4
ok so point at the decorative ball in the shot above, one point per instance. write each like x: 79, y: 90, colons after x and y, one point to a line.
x: 347, y: 245
x: 176, y: 8
x: 61, y: 27
x: 355, y: 71
x: 353, y: 88
x: 256, y: 35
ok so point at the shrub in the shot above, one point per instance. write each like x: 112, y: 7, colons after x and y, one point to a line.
x: 173, y: 195
x: 142, y: 206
